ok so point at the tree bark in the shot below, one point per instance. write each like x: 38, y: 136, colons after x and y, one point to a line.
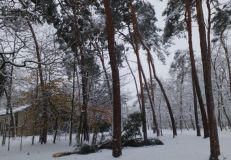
x: 56, y: 128
x: 72, y: 101
x: 195, y: 109
x: 188, y: 19
x: 181, y: 98
x: 166, y: 100
x: 154, y: 118
x: 116, y: 145
x: 206, y: 61
x: 160, y: 119
x: 84, y: 81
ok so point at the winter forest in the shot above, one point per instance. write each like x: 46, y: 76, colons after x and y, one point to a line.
x: 125, y: 79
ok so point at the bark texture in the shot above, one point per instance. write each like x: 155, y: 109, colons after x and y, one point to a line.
x: 116, y: 145
x: 206, y: 62
x: 194, y: 70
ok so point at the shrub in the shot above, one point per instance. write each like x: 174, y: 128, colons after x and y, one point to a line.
x: 131, y: 127
x: 86, y: 149
x: 104, y: 126
x: 139, y: 142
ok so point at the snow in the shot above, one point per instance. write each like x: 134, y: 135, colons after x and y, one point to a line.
x: 15, y: 110
x: 185, y: 146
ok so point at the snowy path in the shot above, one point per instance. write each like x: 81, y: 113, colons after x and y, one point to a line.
x: 185, y: 147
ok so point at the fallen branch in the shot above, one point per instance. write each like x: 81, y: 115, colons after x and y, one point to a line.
x: 61, y: 154
x: 85, y: 149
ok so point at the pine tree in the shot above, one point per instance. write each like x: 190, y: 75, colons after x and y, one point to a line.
x: 116, y: 145
x: 206, y: 62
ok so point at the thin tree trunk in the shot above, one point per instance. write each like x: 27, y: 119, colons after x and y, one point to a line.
x: 9, y: 104
x: 154, y: 118
x: 33, y: 132
x: 226, y: 56
x: 195, y: 109
x: 21, y: 137
x: 220, y: 98
x: 188, y: 19
x: 56, y: 128
x: 140, y: 70
x: 173, y: 124
x: 85, y: 127
x: 144, y: 122
x: 135, y: 81
x: 43, y: 136
x: 4, y: 132
x: 139, y: 37
x: 181, y: 101
x: 36, y: 98
x: 160, y: 119
x: 219, y: 117
x: 192, y: 122
x: 8, y: 148
x: 8, y: 93
x: 78, y: 134
x: 206, y: 61
x: 72, y: 101
x: 101, y: 57
x: 224, y: 110
x: 167, y: 102
x: 116, y: 145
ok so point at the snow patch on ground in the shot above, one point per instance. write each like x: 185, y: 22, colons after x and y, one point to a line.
x: 185, y: 146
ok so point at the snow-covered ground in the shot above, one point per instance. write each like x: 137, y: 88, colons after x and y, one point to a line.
x: 185, y: 146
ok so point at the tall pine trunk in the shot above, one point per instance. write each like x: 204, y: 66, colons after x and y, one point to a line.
x: 140, y: 39
x: 84, y: 83
x: 195, y: 109
x: 206, y: 62
x: 116, y: 145
x: 154, y: 118
x: 72, y: 100
x: 194, y: 70
x: 135, y: 40
x: 173, y: 124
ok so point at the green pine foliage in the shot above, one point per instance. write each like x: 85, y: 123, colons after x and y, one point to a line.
x: 222, y: 19
x: 174, y: 25
x: 132, y: 127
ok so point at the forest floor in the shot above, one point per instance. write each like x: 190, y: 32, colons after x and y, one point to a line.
x: 186, y: 146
